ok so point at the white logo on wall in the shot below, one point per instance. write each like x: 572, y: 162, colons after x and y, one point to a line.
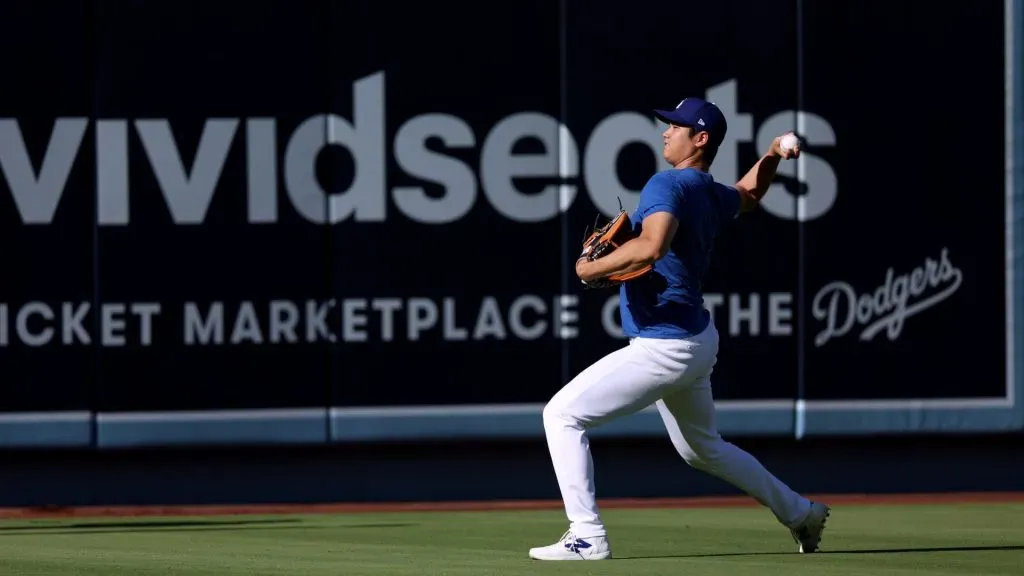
x: 889, y: 305
x: 280, y: 164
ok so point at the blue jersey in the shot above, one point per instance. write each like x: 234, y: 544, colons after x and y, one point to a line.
x: 669, y: 302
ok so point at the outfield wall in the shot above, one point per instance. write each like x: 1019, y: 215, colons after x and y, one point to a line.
x: 185, y: 187
x: 494, y: 470
x: 286, y: 229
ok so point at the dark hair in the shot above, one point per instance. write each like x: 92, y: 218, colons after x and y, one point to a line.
x: 709, y: 151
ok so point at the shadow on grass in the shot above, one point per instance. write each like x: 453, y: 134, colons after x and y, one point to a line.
x: 872, y: 551
x: 180, y: 526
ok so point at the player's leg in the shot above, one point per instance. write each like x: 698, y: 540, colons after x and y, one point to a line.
x: 621, y: 383
x: 689, y: 416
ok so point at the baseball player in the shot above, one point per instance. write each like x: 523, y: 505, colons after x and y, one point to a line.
x: 673, y: 344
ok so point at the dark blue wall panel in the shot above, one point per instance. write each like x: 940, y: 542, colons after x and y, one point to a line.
x: 311, y: 222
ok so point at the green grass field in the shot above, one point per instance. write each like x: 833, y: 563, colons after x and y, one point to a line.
x: 860, y: 540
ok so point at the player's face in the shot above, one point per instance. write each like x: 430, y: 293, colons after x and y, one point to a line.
x: 679, y: 144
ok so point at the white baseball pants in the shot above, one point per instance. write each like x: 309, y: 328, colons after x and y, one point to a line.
x: 676, y: 375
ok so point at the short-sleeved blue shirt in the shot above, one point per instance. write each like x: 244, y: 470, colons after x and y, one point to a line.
x: 669, y: 302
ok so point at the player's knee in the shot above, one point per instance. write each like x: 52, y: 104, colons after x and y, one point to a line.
x: 691, y: 457
x: 704, y: 452
x: 688, y: 454
x: 551, y: 414
x: 555, y: 415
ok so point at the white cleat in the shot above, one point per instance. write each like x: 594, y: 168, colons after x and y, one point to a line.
x: 569, y: 547
x: 808, y: 533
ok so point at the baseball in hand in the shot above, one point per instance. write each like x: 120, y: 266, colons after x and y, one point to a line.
x: 788, y: 142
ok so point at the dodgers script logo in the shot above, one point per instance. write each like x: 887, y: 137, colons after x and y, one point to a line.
x: 889, y: 305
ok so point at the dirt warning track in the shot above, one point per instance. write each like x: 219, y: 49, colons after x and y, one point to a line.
x: 483, y: 505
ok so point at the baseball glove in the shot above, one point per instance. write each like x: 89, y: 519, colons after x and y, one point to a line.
x: 606, y: 239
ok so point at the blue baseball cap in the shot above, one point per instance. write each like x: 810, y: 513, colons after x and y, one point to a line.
x: 701, y: 115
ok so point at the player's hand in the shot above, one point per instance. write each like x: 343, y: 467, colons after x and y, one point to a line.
x: 581, y: 269
x: 786, y: 153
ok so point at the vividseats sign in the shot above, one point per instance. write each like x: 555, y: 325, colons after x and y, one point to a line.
x: 281, y: 225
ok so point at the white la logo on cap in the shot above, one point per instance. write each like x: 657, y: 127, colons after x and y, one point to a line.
x: 681, y: 103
